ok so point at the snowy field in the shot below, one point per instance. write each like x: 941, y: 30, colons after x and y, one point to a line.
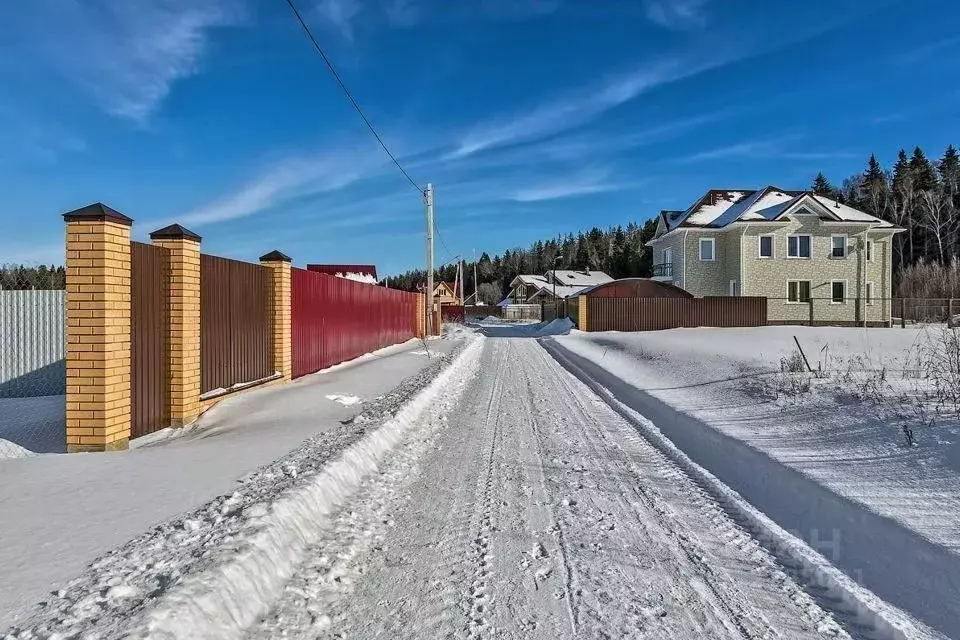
x: 60, y: 512
x: 739, y: 402
x: 492, y: 495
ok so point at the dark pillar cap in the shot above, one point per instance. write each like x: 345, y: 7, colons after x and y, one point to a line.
x: 97, y: 212
x: 174, y: 232
x: 275, y: 256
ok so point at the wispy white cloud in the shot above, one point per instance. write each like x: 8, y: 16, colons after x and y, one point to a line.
x: 928, y: 49
x: 580, y: 184
x: 761, y: 149
x: 288, y: 180
x: 577, y: 109
x: 125, y: 55
x: 340, y: 15
x: 23, y: 136
x: 677, y: 14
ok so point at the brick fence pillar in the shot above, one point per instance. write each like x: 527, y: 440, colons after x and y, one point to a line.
x: 98, y: 329
x: 278, y: 301
x: 421, y: 315
x: 583, y: 313
x: 182, y: 292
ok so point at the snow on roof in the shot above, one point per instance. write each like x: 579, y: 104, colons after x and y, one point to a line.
x: 578, y: 278
x: 710, y: 207
x: 720, y: 207
x: 533, y: 280
x: 765, y: 204
x: 849, y: 214
x: 563, y: 291
x: 357, y: 277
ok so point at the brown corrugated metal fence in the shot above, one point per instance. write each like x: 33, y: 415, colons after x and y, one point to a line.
x: 148, y: 369
x: 235, y: 332
x: 651, y: 314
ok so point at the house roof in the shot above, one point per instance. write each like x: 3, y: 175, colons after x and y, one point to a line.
x: 528, y: 279
x: 578, y: 278
x: 720, y: 207
x: 563, y: 291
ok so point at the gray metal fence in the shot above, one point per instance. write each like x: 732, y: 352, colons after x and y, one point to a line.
x: 32, y: 343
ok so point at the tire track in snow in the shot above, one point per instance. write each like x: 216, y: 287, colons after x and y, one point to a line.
x: 479, y: 599
x: 741, y: 619
x: 817, y: 587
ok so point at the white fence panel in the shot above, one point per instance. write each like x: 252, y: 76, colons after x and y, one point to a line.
x: 32, y: 343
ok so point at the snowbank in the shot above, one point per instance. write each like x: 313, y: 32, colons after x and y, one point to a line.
x: 9, y: 450
x: 229, y: 596
x: 558, y: 327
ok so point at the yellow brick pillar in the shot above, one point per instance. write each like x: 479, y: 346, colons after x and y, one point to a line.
x: 182, y: 291
x: 278, y: 301
x: 421, y: 315
x: 583, y: 312
x: 98, y: 329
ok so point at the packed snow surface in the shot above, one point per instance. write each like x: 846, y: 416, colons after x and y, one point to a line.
x: 346, y: 400
x: 58, y: 513
x: 828, y: 461
x: 11, y: 450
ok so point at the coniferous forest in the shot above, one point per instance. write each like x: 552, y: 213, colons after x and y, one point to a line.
x: 916, y: 193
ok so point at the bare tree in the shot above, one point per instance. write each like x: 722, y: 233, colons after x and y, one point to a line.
x: 936, y: 217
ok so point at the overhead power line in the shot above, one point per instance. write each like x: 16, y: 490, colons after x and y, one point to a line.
x: 316, y: 45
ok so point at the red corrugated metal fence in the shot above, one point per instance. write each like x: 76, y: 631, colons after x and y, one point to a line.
x: 334, y: 319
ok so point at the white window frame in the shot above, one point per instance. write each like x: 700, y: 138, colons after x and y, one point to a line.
x: 869, y: 250
x: 773, y: 246
x: 713, y: 249
x: 845, y: 289
x: 733, y: 288
x: 798, y: 300
x: 868, y: 293
x: 846, y: 246
x: 668, y: 255
x: 809, y: 245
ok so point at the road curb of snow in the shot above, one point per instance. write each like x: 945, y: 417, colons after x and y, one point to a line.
x: 223, y: 600
x: 882, y: 619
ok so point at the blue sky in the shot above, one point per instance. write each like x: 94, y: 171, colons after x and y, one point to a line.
x: 531, y: 118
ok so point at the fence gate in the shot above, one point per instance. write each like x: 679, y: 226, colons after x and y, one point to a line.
x: 235, y: 332
x: 148, y: 370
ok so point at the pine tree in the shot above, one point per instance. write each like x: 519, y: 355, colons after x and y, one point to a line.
x: 924, y: 175
x: 874, y: 173
x: 821, y: 186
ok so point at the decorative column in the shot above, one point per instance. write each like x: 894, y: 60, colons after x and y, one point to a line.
x: 583, y: 313
x: 279, y: 311
x: 182, y: 292
x: 98, y: 329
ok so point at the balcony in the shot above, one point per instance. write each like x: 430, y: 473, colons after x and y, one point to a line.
x: 663, y: 272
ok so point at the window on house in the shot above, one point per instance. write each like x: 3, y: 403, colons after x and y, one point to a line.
x: 798, y: 246
x: 869, y: 250
x: 838, y: 246
x: 838, y: 292
x: 798, y: 291
x: 668, y: 256
x: 733, y: 289
x: 868, y: 292
x: 708, y: 250
x: 766, y: 246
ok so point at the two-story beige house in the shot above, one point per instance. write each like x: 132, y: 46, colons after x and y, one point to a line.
x: 804, y: 253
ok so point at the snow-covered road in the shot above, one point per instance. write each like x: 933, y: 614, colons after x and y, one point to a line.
x: 523, y: 506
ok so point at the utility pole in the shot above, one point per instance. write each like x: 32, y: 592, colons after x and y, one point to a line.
x: 476, y: 300
x: 428, y: 202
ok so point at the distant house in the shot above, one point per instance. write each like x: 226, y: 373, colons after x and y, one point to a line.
x: 805, y: 253
x: 533, y: 289
x: 443, y: 293
x: 359, y: 272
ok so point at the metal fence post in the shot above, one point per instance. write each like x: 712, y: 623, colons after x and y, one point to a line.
x: 810, y: 303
